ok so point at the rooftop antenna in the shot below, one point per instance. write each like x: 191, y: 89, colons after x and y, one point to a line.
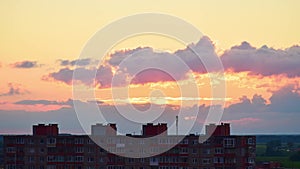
x: 176, y: 125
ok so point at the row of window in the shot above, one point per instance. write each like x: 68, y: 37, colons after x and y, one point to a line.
x: 227, y: 141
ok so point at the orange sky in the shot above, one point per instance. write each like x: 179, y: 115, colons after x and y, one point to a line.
x: 46, y: 32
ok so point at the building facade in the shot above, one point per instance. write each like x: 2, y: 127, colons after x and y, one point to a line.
x: 47, y: 149
x: 1, y: 153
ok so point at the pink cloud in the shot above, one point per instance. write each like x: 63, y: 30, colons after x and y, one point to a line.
x: 142, y: 64
x: 152, y: 75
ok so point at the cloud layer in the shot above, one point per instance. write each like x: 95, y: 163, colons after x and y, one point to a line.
x: 253, y: 115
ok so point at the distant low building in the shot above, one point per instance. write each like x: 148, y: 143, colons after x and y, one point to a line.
x: 47, y: 149
x: 268, y: 165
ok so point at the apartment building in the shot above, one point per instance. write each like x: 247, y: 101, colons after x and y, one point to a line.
x: 47, y: 149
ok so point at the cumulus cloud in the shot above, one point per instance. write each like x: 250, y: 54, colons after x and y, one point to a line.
x: 286, y: 99
x: 25, y: 64
x: 263, y: 61
x: 141, y: 65
x: 149, y: 66
x: 145, y: 65
x: 256, y: 104
x: 65, y: 75
x: 101, y: 76
x: 14, y: 89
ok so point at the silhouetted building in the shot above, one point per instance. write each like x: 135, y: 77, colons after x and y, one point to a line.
x: 45, y: 130
x: 218, y: 130
x: 47, y: 150
x: 102, y: 130
x: 1, y: 153
x: 153, y: 130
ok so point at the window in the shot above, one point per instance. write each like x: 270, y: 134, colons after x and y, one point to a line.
x: 79, y: 150
x: 30, y: 159
x: 31, y: 150
x: 90, y: 150
x: 78, y: 158
x: 205, y: 160
x: 89, y: 141
x: 130, y: 160
x: 207, y: 142
x: 184, y: 150
x: 20, y: 140
x: 219, y: 160
x: 51, y: 141
x: 51, y: 166
x: 90, y: 159
x: 194, y: 160
x: 30, y: 141
x: 195, y: 142
x: 60, y: 158
x: 11, y: 149
x: 79, y: 141
x: 229, y: 142
x: 250, y: 160
x: 250, y: 141
x: 90, y: 167
x: 42, y: 141
x: 206, y: 151
x: 230, y: 160
x: 219, y: 151
x: 42, y: 160
x: 51, y: 159
x: 142, y: 141
x: 11, y: 166
x: 69, y: 158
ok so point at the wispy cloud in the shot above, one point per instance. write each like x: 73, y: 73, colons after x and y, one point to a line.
x: 44, y: 102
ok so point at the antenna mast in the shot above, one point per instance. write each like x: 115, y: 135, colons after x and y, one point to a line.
x: 176, y: 125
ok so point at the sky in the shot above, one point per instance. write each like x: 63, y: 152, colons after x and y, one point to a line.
x: 256, y: 41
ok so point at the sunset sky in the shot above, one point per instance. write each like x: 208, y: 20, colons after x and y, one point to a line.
x: 256, y: 41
